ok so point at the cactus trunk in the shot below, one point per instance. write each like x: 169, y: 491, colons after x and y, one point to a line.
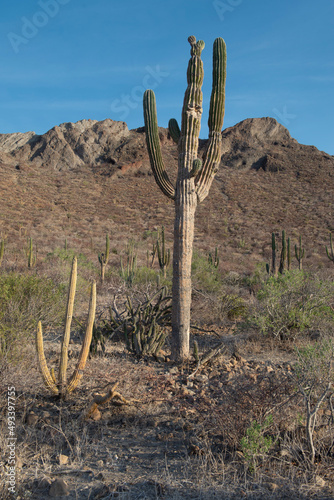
x: 68, y: 321
x: 185, y: 207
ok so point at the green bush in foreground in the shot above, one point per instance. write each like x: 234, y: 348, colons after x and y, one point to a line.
x: 255, y: 444
x: 24, y: 300
x: 292, y: 303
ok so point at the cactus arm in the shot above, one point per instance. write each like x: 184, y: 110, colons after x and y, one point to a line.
x: 66, y: 336
x: 47, y: 378
x: 153, y: 145
x: 174, y: 130
x: 212, y: 155
x: 78, y: 372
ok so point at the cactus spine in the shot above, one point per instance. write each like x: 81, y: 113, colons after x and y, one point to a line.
x: 61, y: 387
x: 104, y: 258
x: 330, y: 251
x: 193, y: 179
x: 299, y: 253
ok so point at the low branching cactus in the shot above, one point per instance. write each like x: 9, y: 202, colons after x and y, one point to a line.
x: 62, y: 387
x: 144, y: 326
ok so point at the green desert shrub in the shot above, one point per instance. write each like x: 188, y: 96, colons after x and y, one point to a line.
x: 205, y: 276
x: 24, y: 300
x: 294, y: 302
x: 232, y: 306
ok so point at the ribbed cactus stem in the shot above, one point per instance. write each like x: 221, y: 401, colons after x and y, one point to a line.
x: 163, y: 254
x: 153, y: 145
x: 47, y: 378
x: 273, y: 254
x: 282, y: 265
x: 68, y: 321
x: 61, y: 388
x: 174, y: 130
x: 31, y: 256
x: 212, y: 155
x: 78, y: 372
x: 104, y: 258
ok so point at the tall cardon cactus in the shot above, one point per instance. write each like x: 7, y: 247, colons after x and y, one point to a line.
x: 194, y: 175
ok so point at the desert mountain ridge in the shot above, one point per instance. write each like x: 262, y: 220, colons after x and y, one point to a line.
x: 92, y: 177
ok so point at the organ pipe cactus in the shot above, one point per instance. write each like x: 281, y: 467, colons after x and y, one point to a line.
x: 104, y: 258
x: 62, y: 387
x: 194, y: 177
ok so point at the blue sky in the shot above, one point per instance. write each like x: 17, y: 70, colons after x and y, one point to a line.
x: 66, y: 60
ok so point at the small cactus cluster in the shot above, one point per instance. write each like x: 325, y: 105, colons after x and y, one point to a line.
x: 144, y: 326
x: 214, y: 259
x: 128, y: 272
x: 62, y: 387
x: 104, y: 258
x: 285, y: 256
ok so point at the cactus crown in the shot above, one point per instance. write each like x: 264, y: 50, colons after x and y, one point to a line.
x: 188, y: 137
x: 196, y: 47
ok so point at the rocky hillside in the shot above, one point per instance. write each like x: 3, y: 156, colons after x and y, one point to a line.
x: 81, y: 180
